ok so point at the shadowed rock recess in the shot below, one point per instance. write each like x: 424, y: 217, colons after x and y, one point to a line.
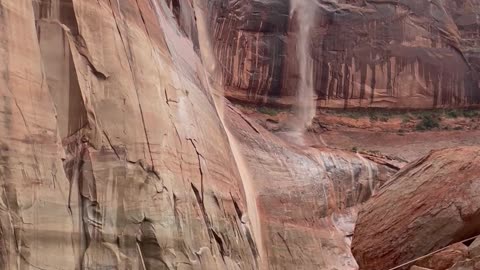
x: 118, y: 149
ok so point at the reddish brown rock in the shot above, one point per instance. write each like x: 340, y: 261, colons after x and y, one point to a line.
x: 306, y: 196
x: 426, y: 206
x: 361, y: 53
x: 418, y: 268
x: 114, y: 152
x: 445, y: 259
x: 474, y: 248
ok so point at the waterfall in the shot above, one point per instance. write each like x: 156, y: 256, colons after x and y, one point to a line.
x: 214, y: 83
x: 304, y: 11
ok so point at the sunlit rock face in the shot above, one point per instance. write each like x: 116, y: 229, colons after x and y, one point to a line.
x: 112, y: 154
x: 395, y: 54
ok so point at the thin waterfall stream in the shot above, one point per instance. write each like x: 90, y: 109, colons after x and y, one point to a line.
x: 215, y: 87
x: 304, y: 11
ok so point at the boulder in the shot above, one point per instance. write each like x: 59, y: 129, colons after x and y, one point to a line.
x: 426, y: 206
x: 418, y: 268
x: 470, y: 264
x: 445, y: 258
x: 474, y: 248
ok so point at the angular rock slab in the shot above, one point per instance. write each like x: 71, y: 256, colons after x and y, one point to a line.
x: 428, y: 205
x: 474, y: 248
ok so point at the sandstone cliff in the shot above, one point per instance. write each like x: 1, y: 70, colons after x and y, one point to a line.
x: 119, y: 151
x: 364, y: 53
x: 112, y: 152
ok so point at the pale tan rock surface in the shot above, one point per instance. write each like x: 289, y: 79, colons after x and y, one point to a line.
x: 112, y: 153
x: 426, y: 206
x: 474, y: 248
x: 471, y: 264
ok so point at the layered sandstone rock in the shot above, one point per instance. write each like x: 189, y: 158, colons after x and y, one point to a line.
x: 112, y: 154
x: 428, y: 205
x: 454, y: 257
x: 445, y: 258
x: 115, y: 152
x: 306, y: 197
x: 395, y: 54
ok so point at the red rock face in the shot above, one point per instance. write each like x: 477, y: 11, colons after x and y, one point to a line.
x: 306, y: 197
x: 426, y: 206
x: 409, y: 53
x: 116, y: 151
x: 249, y: 41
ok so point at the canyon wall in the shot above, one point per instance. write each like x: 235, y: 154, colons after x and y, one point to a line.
x: 394, y: 54
x: 119, y: 151
x: 112, y: 153
x: 307, y: 197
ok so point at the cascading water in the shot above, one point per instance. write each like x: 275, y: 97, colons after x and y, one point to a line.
x: 370, y: 172
x: 216, y: 89
x: 211, y: 79
x: 304, y: 11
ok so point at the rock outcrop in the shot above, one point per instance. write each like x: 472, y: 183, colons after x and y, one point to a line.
x: 454, y: 257
x: 306, y: 196
x: 118, y: 150
x: 112, y: 153
x: 446, y: 258
x: 394, y: 54
x: 426, y: 206
x: 474, y: 248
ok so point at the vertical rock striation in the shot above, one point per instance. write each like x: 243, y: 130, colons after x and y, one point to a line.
x: 249, y: 41
x: 400, y: 54
x: 112, y: 152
